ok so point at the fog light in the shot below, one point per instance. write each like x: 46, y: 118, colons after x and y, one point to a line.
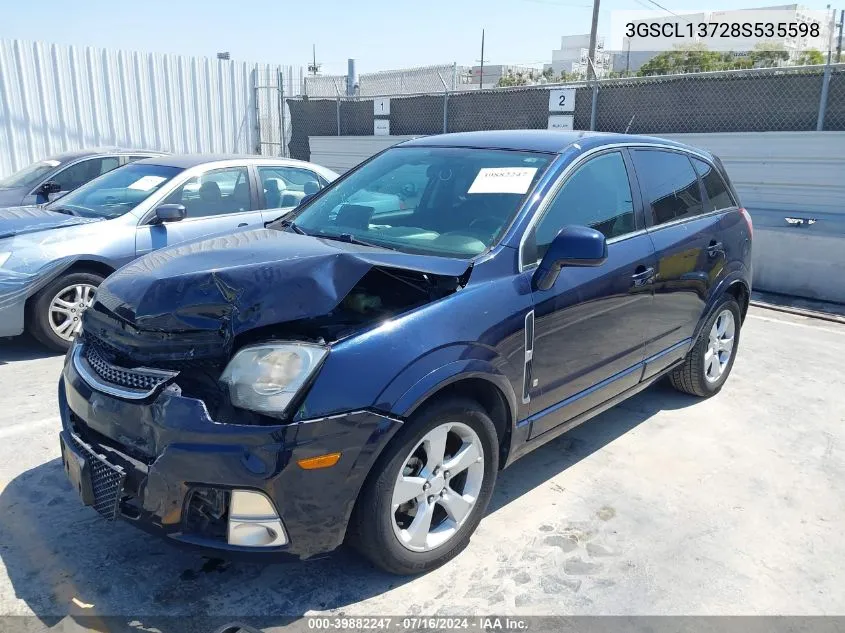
x: 253, y: 521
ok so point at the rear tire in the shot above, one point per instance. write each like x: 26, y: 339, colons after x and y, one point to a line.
x: 385, y: 531
x: 67, y: 292
x: 709, y: 362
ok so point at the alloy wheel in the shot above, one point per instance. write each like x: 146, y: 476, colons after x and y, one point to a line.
x: 437, y: 487
x: 66, y: 309
x: 720, y: 346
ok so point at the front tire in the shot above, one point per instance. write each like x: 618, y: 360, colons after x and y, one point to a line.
x: 709, y: 362
x: 55, y: 312
x: 429, y: 490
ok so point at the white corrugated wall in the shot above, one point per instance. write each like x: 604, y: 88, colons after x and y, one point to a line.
x: 56, y: 98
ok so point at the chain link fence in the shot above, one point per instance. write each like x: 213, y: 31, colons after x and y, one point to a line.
x: 770, y: 99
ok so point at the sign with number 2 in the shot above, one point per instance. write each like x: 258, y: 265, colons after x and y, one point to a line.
x: 562, y: 100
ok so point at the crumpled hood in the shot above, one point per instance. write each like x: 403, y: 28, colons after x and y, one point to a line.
x: 19, y: 220
x: 246, y: 280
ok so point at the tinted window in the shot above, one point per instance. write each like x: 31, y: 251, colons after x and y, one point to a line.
x: 117, y: 192
x: 79, y: 173
x: 215, y: 192
x: 286, y: 186
x: 718, y: 196
x: 669, y: 185
x: 597, y: 195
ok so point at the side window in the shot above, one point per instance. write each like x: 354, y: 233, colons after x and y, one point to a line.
x: 286, y: 186
x: 597, y: 195
x: 670, y: 185
x: 79, y: 173
x: 215, y: 192
x: 718, y: 196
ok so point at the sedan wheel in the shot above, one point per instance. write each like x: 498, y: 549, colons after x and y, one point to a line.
x: 66, y: 309
x: 437, y: 487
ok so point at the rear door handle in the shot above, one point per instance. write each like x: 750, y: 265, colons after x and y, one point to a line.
x: 643, y: 276
x: 242, y: 224
x: 714, y: 248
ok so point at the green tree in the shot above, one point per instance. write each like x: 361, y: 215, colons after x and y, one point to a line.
x: 810, y: 57
x: 768, y: 55
x: 549, y: 73
x: 511, y: 80
x: 683, y: 59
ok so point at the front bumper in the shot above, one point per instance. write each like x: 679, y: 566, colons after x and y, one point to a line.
x: 169, y: 446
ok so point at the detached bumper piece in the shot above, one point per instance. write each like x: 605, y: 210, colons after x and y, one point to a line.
x: 99, y: 483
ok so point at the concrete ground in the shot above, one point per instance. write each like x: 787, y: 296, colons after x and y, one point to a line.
x: 664, y: 505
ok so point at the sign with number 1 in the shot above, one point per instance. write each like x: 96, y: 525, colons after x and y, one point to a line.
x: 381, y: 105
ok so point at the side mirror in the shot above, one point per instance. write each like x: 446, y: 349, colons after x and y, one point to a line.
x: 573, y: 246
x: 170, y: 213
x: 51, y: 186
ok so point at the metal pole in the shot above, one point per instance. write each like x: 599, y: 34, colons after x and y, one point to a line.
x: 839, y: 43
x: 445, y: 103
x: 481, y: 71
x: 591, y: 71
x: 825, y: 78
x: 337, y: 90
x: 282, y: 113
x: 823, y: 98
x: 257, y: 110
x: 593, y: 108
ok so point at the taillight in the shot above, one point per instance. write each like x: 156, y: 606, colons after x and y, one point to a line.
x: 750, y: 224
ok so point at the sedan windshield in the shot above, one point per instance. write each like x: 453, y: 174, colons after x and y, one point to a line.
x: 447, y: 201
x: 116, y: 192
x: 29, y: 176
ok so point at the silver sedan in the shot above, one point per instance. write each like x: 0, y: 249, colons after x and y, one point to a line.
x: 52, y: 258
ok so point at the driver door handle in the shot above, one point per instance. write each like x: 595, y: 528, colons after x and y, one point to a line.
x: 643, y: 275
x: 242, y: 224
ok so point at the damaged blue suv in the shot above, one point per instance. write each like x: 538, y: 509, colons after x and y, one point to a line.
x: 362, y: 368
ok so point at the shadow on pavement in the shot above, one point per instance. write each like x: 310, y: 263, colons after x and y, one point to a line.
x: 67, y: 564
x: 23, y: 347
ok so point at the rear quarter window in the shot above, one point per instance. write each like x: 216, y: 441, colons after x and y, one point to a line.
x: 718, y: 196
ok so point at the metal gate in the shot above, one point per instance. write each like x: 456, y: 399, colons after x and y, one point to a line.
x: 272, y: 117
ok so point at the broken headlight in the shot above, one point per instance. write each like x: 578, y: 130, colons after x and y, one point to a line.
x: 265, y: 378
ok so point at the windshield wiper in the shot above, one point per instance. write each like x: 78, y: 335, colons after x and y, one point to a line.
x: 289, y: 224
x: 351, y: 239
x: 64, y: 210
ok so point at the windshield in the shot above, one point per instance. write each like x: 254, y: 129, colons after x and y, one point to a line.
x: 29, y: 176
x: 116, y: 192
x: 448, y: 201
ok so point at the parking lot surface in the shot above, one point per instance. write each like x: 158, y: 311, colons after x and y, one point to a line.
x: 663, y: 505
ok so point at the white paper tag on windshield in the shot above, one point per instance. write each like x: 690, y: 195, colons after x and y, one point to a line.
x: 503, y: 180
x: 147, y: 182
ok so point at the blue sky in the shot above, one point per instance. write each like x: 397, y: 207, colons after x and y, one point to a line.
x: 380, y: 34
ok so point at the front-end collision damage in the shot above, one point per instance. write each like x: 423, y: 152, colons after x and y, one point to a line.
x: 189, y: 308
x: 182, y: 464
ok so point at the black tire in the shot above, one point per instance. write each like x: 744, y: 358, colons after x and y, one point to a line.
x: 690, y: 377
x: 38, y: 313
x: 371, y: 527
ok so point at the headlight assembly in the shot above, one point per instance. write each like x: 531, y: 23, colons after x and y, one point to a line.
x: 266, y: 377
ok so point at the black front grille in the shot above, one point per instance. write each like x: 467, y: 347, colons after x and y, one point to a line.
x: 136, y: 379
x: 106, y: 481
